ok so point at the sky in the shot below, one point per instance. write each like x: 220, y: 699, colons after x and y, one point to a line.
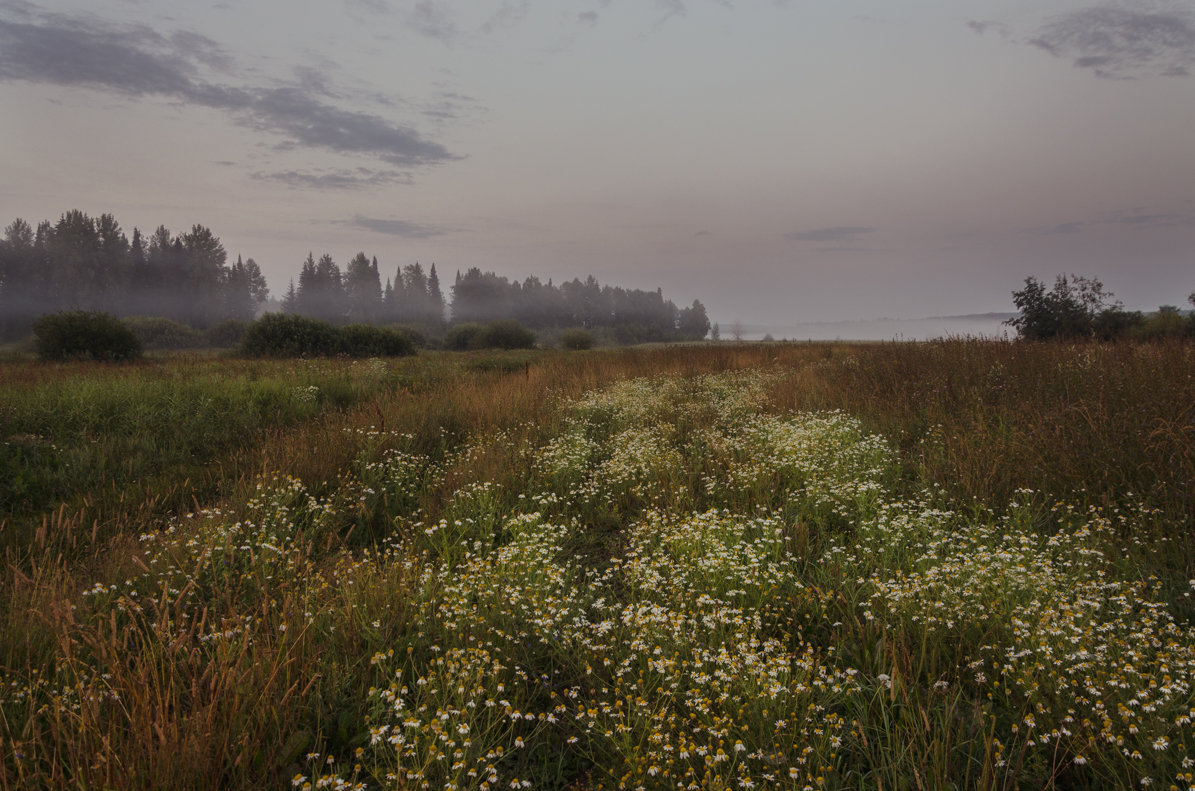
x: 781, y: 161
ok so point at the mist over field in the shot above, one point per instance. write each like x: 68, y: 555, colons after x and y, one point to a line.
x: 881, y: 329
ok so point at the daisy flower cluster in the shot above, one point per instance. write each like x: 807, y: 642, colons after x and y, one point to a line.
x: 679, y: 589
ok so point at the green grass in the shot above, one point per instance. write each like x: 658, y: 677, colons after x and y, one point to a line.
x: 957, y: 564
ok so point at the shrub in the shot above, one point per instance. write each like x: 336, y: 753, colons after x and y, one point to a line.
x: 464, y: 336
x: 508, y: 334
x: 287, y: 335
x: 84, y: 335
x: 366, y: 340
x: 227, y: 333
x: 417, y: 334
x: 157, y: 332
x: 577, y: 339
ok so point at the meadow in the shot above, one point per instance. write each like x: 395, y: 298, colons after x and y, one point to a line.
x: 962, y: 564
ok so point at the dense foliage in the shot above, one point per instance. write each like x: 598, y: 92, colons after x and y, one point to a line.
x: 84, y: 335
x: 498, y: 334
x: 88, y: 263
x: 576, y: 338
x: 283, y: 335
x: 1079, y: 308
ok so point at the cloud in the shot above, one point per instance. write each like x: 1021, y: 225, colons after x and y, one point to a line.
x: 982, y: 26
x: 1066, y: 227
x: 1136, y: 219
x: 508, y: 15
x: 451, y: 106
x: 137, y: 61
x: 407, y: 230
x: 1060, y: 228
x: 671, y: 8
x: 344, y: 179
x: 588, y: 17
x: 838, y: 233
x: 1123, y: 42
x: 373, y: 6
x: 848, y: 249
x: 432, y: 20
x: 1131, y: 218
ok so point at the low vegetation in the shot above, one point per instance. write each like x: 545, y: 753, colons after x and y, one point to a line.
x: 84, y: 335
x: 286, y: 335
x: 801, y: 566
x: 498, y: 334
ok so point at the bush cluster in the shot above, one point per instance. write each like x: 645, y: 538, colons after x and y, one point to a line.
x: 157, y: 332
x: 1079, y: 307
x: 84, y: 335
x: 287, y: 335
x: 578, y: 339
x: 500, y: 334
x: 227, y: 334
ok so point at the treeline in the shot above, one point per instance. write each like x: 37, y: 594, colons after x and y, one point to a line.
x: 632, y: 315
x: 88, y: 263
x: 413, y: 296
x: 357, y: 295
x: 1079, y: 308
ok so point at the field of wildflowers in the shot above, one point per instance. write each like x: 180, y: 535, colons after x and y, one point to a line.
x: 685, y: 568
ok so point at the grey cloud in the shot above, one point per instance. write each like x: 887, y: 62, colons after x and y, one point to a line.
x: 316, y: 124
x: 407, y: 230
x: 63, y: 52
x: 451, y: 106
x: 1132, y: 218
x: 838, y: 233
x: 1138, y: 220
x: 671, y: 8
x: 1065, y: 227
x: 358, y: 178
x: 588, y: 17
x: 201, y: 48
x: 1123, y: 42
x: 314, y: 80
x: 508, y: 15
x: 139, y: 62
x: 848, y: 249
x: 373, y: 6
x: 432, y: 20
x: 982, y: 26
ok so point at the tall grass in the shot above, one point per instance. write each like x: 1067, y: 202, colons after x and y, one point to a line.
x: 899, y: 565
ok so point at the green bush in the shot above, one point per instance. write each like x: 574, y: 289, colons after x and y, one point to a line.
x: 287, y: 335
x: 226, y: 334
x: 417, y: 334
x: 508, y: 334
x: 366, y: 340
x: 156, y: 332
x: 577, y: 339
x: 500, y: 334
x: 84, y: 335
x: 462, y: 337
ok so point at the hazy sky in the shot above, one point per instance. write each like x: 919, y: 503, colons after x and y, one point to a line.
x: 781, y: 161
